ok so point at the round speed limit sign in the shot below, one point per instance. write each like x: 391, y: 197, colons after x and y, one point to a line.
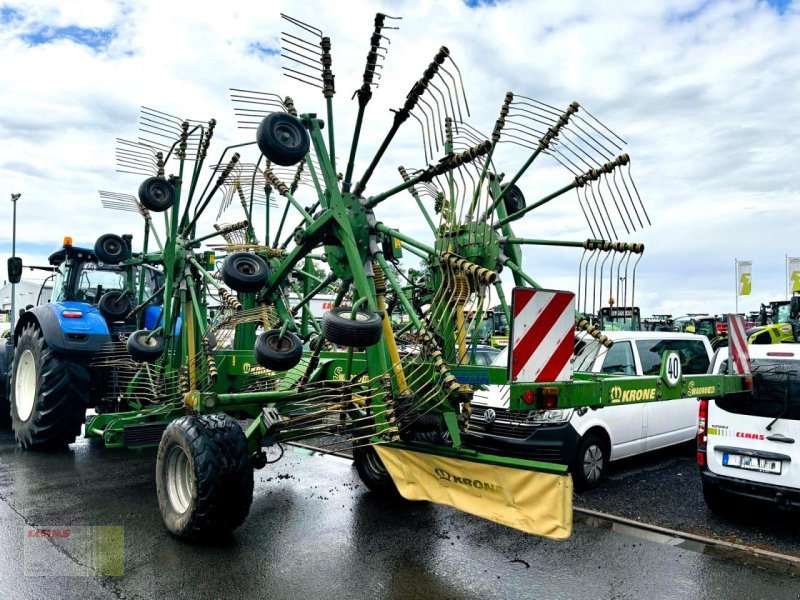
x: 672, y: 369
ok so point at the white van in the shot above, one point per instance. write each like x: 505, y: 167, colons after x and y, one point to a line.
x: 588, y: 439
x: 750, y: 446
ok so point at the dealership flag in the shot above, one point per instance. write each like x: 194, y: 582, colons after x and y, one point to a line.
x: 744, y: 274
x: 793, y: 269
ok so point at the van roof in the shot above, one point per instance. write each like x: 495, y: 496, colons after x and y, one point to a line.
x: 785, y: 351
x: 650, y: 335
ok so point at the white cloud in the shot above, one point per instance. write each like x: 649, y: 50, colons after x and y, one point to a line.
x: 702, y: 92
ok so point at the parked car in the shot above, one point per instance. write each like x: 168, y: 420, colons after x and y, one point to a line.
x: 588, y: 439
x: 483, y: 355
x: 749, y: 447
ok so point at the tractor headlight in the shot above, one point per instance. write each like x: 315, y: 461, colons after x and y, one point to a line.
x: 556, y: 415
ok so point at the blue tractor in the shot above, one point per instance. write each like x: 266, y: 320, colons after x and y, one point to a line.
x: 49, y: 384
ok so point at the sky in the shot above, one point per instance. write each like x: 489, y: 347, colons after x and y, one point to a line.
x: 703, y: 92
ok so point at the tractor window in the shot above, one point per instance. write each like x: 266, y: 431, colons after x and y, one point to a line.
x: 706, y: 328
x: 91, y: 279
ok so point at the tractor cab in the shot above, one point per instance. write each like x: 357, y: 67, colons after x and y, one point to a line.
x: 96, y: 277
x: 491, y: 330
x: 779, y: 322
x: 619, y: 318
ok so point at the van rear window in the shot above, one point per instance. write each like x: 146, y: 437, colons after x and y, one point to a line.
x: 693, y: 354
x: 776, y: 391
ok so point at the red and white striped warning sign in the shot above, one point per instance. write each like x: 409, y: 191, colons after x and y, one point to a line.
x: 737, y: 345
x: 543, y: 335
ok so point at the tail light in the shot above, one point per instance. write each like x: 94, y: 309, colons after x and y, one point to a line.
x: 747, y: 384
x: 548, y: 397
x: 702, y: 432
x: 72, y: 314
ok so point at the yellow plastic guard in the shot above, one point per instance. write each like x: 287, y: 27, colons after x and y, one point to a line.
x: 533, y: 502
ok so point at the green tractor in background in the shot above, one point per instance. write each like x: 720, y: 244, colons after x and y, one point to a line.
x: 779, y: 322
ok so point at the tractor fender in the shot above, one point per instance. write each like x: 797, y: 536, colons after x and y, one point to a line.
x: 84, y: 334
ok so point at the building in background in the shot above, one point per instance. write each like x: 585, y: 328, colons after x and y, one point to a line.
x: 28, y: 292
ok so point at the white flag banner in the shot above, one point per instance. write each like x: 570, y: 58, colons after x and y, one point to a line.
x: 793, y: 271
x: 744, y: 275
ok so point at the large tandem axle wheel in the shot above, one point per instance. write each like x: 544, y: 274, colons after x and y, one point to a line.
x: 204, y: 478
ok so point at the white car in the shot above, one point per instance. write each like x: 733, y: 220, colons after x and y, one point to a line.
x: 750, y: 446
x: 588, y: 439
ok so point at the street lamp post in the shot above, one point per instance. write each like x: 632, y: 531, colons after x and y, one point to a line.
x: 14, y: 198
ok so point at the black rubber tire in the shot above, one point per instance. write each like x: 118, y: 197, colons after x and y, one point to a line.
x: 718, y: 502
x: 373, y: 474
x: 276, y: 353
x: 156, y: 194
x: 365, y: 330
x: 111, y: 249
x: 586, y: 459
x: 245, y: 272
x: 145, y: 351
x: 6, y: 362
x: 232, y: 448
x: 115, y: 305
x: 283, y: 139
x: 60, y: 397
x: 219, y: 477
x: 514, y: 200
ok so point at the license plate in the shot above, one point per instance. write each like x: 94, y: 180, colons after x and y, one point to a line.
x: 751, y: 463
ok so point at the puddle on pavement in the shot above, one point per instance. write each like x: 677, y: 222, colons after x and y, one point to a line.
x: 777, y: 564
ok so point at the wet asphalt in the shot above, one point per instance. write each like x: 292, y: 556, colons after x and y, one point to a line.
x: 664, y: 488
x: 315, y: 532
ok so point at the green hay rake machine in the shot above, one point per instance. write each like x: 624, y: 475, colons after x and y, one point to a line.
x: 221, y: 340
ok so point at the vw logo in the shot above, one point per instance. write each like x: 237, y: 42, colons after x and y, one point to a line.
x: 489, y: 416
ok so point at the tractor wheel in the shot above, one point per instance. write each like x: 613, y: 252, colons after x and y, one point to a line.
x: 340, y: 328
x: 115, y: 305
x: 232, y: 447
x: 283, y: 139
x: 278, y: 353
x: 204, y: 479
x: 6, y: 360
x: 373, y: 473
x: 245, y: 272
x: 145, y: 350
x: 111, y: 249
x: 48, y: 394
x: 156, y: 194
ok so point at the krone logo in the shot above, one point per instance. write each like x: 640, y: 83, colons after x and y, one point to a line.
x: 616, y: 393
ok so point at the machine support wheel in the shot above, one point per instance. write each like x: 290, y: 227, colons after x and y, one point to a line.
x: 48, y: 394
x: 283, y: 139
x: 278, y: 353
x: 373, y: 473
x: 111, y: 248
x: 245, y: 272
x: 340, y: 328
x: 142, y: 346
x: 204, y: 478
x: 157, y: 194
